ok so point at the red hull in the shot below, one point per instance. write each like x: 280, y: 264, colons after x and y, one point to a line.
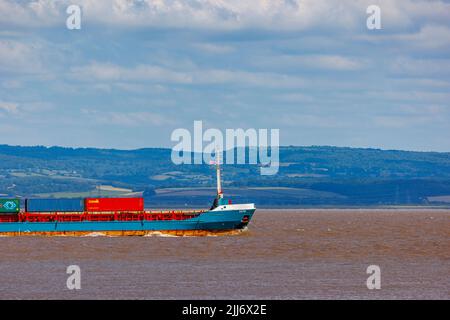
x: 87, y: 216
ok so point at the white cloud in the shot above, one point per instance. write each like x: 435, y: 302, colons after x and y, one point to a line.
x: 16, y: 56
x: 295, y: 98
x: 31, y: 13
x: 114, y: 73
x: 400, y: 121
x: 128, y: 119
x: 334, y: 62
x: 429, y: 37
x: 312, y: 120
x: 214, y: 48
x: 318, y: 61
x: 420, y: 67
x: 9, y: 107
x: 225, y: 14
x: 111, y: 72
x: 258, y: 79
x: 140, y: 118
x: 337, y: 81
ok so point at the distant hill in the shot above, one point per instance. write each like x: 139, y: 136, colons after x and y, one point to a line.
x: 308, y: 176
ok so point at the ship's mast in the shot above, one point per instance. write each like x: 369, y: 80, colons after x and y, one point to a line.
x: 219, y: 179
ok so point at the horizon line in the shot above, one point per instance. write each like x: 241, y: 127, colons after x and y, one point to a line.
x: 168, y: 148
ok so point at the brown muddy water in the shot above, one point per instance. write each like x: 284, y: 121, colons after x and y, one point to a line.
x: 285, y: 254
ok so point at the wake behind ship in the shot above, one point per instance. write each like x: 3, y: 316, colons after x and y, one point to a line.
x: 120, y: 217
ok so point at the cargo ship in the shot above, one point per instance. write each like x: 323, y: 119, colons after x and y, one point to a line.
x: 120, y: 217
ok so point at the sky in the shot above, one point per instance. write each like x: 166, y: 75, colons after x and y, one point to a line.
x: 139, y: 69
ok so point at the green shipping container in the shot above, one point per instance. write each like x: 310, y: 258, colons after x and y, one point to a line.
x: 9, y: 205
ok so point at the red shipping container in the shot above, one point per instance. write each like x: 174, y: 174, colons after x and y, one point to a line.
x: 114, y: 204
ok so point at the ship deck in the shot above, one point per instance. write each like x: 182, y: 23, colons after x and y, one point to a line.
x: 151, y: 215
